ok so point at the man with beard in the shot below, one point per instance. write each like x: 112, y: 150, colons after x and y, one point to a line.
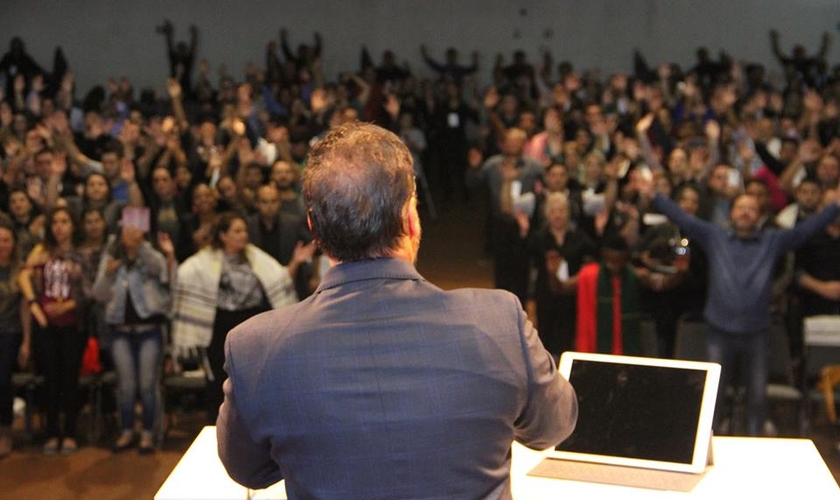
x: 741, y: 262
x: 284, y: 176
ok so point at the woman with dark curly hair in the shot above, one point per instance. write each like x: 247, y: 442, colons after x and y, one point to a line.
x: 51, y: 283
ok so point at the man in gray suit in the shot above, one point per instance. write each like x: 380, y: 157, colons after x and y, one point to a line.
x: 380, y: 385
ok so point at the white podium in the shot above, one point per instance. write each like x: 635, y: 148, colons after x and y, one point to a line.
x: 744, y: 468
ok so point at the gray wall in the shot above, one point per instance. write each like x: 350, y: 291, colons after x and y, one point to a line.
x: 105, y: 38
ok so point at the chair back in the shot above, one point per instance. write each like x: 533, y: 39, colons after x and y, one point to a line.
x: 690, y: 342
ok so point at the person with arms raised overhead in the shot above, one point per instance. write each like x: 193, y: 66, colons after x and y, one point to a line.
x: 741, y: 273
x: 380, y: 385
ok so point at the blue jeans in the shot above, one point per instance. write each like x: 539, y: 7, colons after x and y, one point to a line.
x: 137, y: 361
x: 751, y: 352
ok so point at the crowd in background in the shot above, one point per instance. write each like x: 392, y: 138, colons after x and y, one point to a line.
x: 125, y: 211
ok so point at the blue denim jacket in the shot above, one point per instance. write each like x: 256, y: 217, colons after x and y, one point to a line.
x: 147, y: 281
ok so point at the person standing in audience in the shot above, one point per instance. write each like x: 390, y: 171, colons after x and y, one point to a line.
x: 818, y: 269
x: 807, y: 199
x: 181, y: 55
x: 449, y: 116
x: 559, y: 252
x: 722, y: 185
x: 608, y: 305
x: 284, y: 237
x: 91, y: 247
x: 15, y: 328
x: 741, y: 270
x: 51, y: 284
x: 203, y: 215
x: 509, y: 177
x: 547, y: 146
x: 677, y: 267
x: 169, y: 213
x: 284, y: 175
x: 222, y: 285
x: 28, y: 222
x: 451, y: 70
x: 133, y: 281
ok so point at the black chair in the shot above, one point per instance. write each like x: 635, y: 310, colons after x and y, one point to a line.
x: 181, y: 389
x: 821, y: 340
x: 690, y: 344
x: 647, y: 334
x: 690, y: 341
x: 27, y: 385
x: 781, y: 387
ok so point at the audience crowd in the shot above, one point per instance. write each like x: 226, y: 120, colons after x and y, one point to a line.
x: 104, y: 193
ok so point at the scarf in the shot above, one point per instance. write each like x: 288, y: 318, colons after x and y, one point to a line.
x: 608, y: 311
x: 197, y: 291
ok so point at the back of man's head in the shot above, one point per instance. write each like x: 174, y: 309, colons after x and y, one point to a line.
x: 356, y: 185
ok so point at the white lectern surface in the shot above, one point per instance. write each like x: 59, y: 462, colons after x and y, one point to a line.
x: 755, y: 467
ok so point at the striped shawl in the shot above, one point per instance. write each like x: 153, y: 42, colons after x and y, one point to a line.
x: 197, y: 288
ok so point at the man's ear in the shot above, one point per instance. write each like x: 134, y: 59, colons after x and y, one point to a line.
x: 411, y: 222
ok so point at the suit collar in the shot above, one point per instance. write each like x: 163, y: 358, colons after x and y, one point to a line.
x: 385, y: 268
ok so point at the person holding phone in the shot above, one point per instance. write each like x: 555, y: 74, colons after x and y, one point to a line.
x: 133, y: 280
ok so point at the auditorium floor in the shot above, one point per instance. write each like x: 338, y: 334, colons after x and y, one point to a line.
x: 451, y: 256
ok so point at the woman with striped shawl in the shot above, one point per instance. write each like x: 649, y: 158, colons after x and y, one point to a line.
x: 220, y: 286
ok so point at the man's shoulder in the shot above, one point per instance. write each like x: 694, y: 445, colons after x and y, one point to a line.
x: 482, y: 298
x: 261, y: 329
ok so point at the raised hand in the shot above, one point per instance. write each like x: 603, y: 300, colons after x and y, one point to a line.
x: 165, y: 244
x: 491, y: 97
x: 303, y: 251
x: 474, y: 158
x: 644, y: 124
x: 127, y: 171
x: 392, y: 105
x: 174, y: 88
x: 238, y: 127
x: 712, y: 130
x: 318, y: 101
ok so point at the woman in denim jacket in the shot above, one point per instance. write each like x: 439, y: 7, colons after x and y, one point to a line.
x: 134, y: 281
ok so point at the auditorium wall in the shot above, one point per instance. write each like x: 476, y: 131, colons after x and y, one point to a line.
x: 105, y: 38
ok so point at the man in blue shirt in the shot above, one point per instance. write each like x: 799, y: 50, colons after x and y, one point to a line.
x: 737, y: 310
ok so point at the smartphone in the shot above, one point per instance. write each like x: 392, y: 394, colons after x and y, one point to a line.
x: 136, y: 217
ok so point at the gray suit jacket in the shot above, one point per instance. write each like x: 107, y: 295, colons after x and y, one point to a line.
x: 381, y: 385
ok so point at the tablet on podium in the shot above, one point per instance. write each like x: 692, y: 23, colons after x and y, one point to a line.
x: 643, y: 422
